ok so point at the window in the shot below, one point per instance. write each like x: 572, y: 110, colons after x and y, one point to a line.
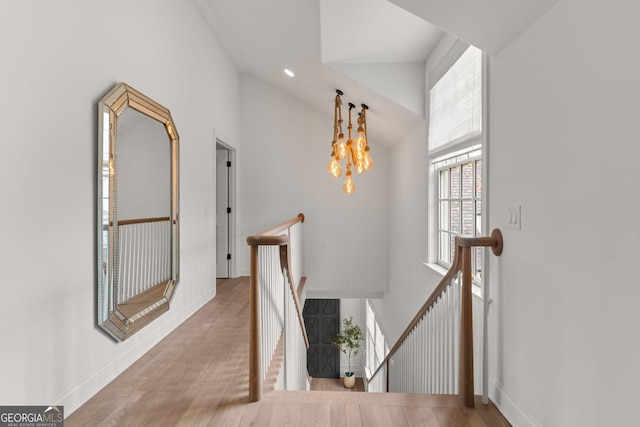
x: 459, y: 202
x: 455, y: 149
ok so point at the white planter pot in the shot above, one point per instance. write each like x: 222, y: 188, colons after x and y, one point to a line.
x: 349, y: 382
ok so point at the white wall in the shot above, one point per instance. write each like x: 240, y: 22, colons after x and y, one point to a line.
x: 58, y: 59
x: 286, y: 147
x: 564, y: 145
x: 402, y: 83
x: 411, y: 282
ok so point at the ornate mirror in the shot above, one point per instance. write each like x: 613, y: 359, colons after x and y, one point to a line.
x: 137, y: 211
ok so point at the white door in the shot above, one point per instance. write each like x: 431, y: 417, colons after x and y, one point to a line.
x: 223, y: 214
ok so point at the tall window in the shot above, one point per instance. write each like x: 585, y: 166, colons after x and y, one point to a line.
x: 455, y: 149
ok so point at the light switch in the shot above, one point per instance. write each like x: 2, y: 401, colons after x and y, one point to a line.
x: 514, y: 214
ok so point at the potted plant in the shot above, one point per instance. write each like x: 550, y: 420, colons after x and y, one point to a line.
x: 348, y: 341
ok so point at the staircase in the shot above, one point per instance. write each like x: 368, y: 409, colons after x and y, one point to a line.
x: 433, y: 355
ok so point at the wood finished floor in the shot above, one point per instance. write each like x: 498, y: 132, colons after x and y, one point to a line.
x: 335, y: 384
x: 198, y: 376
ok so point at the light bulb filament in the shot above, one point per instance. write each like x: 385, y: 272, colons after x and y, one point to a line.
x: 349, y: 187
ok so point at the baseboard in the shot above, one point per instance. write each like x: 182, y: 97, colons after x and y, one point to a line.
x: 512, y: 410
x: 84, y: 391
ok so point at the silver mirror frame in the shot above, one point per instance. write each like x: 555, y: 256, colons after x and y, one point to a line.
x: 121, y: 320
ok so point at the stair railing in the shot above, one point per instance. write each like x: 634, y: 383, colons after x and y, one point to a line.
x: 425, y: 357
x: 275, y: 308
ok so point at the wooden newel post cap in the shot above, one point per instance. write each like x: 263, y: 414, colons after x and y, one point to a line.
x: 497, y: 247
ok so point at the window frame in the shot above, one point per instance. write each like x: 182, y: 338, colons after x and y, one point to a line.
x: 443, y: 163
x: 456, y: 148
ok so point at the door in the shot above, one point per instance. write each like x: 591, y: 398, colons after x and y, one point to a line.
x: 322, y: 321
x: 223, y: 212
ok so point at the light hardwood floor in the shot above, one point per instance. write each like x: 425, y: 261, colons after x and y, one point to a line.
x: 198, y: 376
x: 335, y: 384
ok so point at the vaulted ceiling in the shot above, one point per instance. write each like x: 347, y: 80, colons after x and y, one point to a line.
x: 373, y: 50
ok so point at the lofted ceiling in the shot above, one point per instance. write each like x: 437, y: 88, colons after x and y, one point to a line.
x: 373, y: 50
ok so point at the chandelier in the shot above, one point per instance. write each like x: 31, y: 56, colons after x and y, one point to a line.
x: 356, y: 152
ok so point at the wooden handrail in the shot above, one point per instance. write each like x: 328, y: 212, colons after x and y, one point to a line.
x: 285, y: 262
x: 141, y: 220
x: 256, y: 238
x: 461, y: 262
x: 268, y: 238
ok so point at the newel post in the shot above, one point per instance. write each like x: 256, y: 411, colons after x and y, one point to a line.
x: 255, y: 379
x: 466, y: 386
x: 465, y: 245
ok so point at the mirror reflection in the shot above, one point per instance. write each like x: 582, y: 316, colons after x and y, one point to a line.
x: 138, y: 198
x: 144, y: 167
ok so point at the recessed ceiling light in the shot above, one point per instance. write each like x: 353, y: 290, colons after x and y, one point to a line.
x: 288, y: 72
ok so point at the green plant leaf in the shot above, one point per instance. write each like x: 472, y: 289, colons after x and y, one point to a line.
x: 348, y: 340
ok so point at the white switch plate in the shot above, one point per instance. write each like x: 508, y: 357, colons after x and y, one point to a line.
x: 514, y: 216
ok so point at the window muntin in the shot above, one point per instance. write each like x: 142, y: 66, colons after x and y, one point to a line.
x: 459, y: 201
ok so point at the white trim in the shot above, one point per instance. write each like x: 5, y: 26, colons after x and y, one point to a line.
x: 437, y: 268
x: 470, y: 148
x: 512, y: 410
x: 486, y: 273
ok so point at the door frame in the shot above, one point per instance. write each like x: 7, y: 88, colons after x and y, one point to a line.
x: 231, y: 194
